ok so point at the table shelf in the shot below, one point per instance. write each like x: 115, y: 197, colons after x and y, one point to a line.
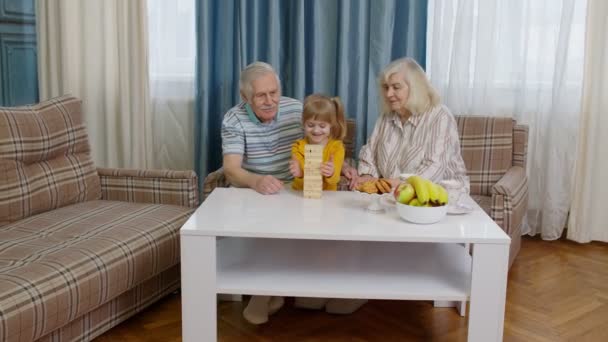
x: 343, y: 269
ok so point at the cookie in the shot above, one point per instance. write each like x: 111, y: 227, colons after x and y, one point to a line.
x: 383, y: 186
x: 368, y: 187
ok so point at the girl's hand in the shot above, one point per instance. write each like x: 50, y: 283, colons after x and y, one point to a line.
x: 327, y: 168
x: 295, y: 169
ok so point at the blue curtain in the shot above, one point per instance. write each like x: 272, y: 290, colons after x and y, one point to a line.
x: 18, y: 49
x: 336, y: 47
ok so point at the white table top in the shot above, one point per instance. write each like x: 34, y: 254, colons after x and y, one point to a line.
x: 338, y: 215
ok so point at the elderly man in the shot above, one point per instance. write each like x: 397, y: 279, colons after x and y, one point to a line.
x: 257, y: 134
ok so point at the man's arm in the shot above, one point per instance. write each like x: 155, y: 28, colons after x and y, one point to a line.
x: 235, y: 174
x: 233, y: 146
x: 240, y: 177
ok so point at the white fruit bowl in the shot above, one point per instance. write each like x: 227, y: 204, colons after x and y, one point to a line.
x: 422, y: 215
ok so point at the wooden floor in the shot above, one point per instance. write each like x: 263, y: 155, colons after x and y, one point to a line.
x: 557, y: 291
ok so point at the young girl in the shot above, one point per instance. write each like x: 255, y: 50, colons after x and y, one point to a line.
x: 324, y: 124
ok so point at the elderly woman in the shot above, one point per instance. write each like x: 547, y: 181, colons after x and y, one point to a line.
x: 415, y: 133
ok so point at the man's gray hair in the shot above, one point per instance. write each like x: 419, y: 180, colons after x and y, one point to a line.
x: 252, y: 72
x: 422, y: 95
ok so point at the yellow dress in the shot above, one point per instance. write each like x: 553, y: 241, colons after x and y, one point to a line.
x: 333, y: 148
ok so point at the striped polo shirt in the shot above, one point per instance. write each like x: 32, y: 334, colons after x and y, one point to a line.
x: 265, y: 147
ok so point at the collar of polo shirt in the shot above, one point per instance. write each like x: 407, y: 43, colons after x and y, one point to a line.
x: 255, y: 119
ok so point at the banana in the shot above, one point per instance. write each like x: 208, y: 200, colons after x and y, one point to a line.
x: 422, y: 191
x: 433, y: 191
x: 414, y: 202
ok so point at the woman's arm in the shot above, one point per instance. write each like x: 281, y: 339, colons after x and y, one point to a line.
x: 438, y: 154
x: 367, y: 157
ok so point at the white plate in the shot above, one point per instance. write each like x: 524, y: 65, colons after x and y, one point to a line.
x: 379, y: 202
x: 389, y: 201
x: 459, y: 209
x: 376, y: 200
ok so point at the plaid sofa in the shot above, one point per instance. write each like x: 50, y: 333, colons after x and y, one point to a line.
x: 494, y: 151
x: 81, y: 248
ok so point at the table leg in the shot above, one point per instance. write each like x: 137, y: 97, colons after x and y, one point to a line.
x: 488, y: 292
x: 460, y: 306
x: 199, y: 299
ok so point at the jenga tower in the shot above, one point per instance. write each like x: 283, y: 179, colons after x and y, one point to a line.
x: 313, y: 180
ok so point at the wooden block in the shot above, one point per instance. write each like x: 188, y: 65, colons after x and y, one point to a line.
x: 312, y: 165
x: 313, y: 181
x: 313, y: 173
x: 312, y: 194
x: 316, y: 149
x: 313, y: 184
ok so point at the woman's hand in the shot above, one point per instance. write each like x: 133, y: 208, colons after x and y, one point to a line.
x: 327, y: 168
x: 295, y: 169
x: 351, y: 174
x: 394, y: 182
x: 362, y: 179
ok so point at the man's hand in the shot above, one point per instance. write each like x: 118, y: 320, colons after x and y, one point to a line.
x: 327, y: 168
x: 295, y: 169
x: 239, y: 177
x: 267, y: 185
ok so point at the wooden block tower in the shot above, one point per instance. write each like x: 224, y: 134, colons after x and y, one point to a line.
x: 313, y: 180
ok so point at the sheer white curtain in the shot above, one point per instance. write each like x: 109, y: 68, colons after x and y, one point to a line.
x: 172, y: 47
x: 97, y: 51
x: 588, y: 216
x: 522, y: 59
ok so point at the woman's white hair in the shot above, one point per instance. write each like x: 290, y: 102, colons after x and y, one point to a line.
x: 252, y: 72
x: 422, y: 95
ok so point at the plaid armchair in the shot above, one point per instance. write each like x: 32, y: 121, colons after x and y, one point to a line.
x: 81, y: 249
x: 494, y: 152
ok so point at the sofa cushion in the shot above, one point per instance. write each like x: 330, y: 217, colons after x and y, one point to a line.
x: 45, y: 160
x: 58, y: 265
x: 486, y: 145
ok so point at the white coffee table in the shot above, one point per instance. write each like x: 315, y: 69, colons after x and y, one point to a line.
x: 332, y: 247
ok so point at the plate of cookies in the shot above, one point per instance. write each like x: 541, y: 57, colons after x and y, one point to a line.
x: 376, y: 188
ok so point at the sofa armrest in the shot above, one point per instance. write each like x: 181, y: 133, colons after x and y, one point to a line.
x: 512, y: 183
x: 214, y: 180
x: 510, y: 199
x: 149, y: 186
